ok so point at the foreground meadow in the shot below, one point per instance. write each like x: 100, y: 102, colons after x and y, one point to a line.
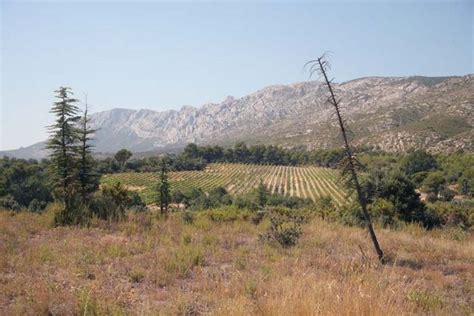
x: 218, y: 266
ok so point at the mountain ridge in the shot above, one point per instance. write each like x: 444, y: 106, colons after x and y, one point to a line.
x: 392, y: 113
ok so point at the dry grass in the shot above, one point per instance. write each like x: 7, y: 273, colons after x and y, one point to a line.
x: 149, y: 266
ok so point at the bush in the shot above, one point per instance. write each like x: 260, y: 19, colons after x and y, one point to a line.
x: 452, y: 215
x: 292, y: 202
x: 417, y: 161
x: 178, y: 196
x: 285, y: 227
x: 188, y: 217
x: 434, y: 183
x: 324, y: 207
x: 113, y: 201
x: 419, y: 177
x: 396, y: 188
x: 247, y: 201
x: 446, y: 194
x: 36, y: 206
x: 75, y: 214
x: 104, y: 207
x: 226, y: 214
x: 136, y: 203
x: 8, y: 202
x: 384, y: 213
x: 258, y: 217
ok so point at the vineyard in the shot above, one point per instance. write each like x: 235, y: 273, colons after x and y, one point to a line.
x: 304, y: 182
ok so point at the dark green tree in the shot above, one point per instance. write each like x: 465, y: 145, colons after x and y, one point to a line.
x: 87, y: 177
x: 192, y: 151
x: 62, y: 145
x: 434, y: 183
x: 24, y: 181
x: 241, y: 152
x: 418, y: 161
x: 395, y: 187
x: 262, y: 194
x: 122, y: 156
x: 164, y: 195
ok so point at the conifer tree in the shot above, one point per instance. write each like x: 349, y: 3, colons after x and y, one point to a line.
x: 164, y: 196
x: 262, y: 194
x: 62, y: 144
x: 88, y: 179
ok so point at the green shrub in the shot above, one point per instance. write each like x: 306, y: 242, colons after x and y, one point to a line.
x: 285, y: 227
x: 8, y: 202
x: 419, y: 177
x: 434, y: 182
x: 247, y: 201
x: 104, y: 207
x: 452, y: 215
x: 188, y: 217
x: 112, y: 202
x: 36, y: 206
x: 226, y: 214
x: 292, y: 202
x: 446, y: 194
x: 426, y: 300
x: 178, y: 196
x: 75, y: 214
x: 325, y: 208
x: 384, y: 213
x: 136, y: 276
x: 136, y: 203
x: 258, y: 217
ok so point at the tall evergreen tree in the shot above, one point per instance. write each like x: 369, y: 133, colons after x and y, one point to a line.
x: 62, y: 144
x: 164, y: 196
x: 88, y: 179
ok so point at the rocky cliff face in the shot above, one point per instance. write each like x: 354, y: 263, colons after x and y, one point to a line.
x: 395, y: 114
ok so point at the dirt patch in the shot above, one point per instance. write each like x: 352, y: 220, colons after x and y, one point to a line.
x: 135, y: 187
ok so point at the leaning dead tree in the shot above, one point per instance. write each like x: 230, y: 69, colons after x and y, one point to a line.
x: 321, y: 66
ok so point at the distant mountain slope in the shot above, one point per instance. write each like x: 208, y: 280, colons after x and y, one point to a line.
x: 395, y: 114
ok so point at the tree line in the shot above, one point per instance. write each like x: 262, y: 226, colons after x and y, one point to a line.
x: 196, y: 157
x: 70, y: 176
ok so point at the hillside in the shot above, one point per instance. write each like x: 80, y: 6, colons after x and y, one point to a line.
x: 148, y: 266
x: 395, y: 114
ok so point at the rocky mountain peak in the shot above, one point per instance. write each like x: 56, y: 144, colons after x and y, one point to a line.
x: 395, y: 114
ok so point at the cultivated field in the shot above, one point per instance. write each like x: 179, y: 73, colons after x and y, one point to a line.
x: 305, y: 182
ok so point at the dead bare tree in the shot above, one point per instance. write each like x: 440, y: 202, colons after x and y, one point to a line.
x: 321, y: 66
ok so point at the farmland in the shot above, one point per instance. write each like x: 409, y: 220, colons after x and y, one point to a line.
x: 305, y: 181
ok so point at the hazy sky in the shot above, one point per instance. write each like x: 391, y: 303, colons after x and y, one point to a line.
x: 162, y: 56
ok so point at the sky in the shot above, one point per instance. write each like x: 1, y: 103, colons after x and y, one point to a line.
x: 162, y: 56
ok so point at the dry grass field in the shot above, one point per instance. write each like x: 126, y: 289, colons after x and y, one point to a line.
x: 151, y: 266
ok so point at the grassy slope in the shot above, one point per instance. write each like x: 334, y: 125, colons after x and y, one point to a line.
x: 151, y: 266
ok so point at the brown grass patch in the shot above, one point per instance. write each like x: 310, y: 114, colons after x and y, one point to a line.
x: 153, y: 266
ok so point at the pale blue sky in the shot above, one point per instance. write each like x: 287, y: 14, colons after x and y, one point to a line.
x: 164, y: 55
